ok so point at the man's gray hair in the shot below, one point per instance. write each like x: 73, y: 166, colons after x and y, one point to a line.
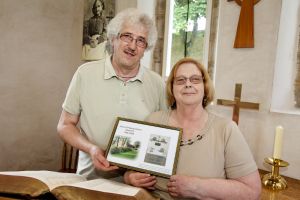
x: 131, y: 16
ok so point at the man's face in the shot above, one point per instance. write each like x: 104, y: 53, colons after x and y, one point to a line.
x: 127, y: 54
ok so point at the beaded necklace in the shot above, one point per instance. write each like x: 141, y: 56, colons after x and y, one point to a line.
x: 191, y: 141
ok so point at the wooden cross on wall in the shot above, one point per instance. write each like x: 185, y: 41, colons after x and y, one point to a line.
x: 237, y: 103
x: 244, y: 37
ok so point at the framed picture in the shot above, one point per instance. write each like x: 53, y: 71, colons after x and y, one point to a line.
x: 145, y: 147
x: 97, y: 14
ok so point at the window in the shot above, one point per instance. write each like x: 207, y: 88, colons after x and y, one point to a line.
x: 187, y: 32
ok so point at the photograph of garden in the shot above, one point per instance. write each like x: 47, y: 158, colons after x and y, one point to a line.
x: 123, y: 147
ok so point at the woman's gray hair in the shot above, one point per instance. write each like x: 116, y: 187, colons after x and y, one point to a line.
x: 131, y: 16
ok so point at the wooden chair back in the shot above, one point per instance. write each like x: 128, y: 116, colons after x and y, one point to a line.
x: 69, y: 159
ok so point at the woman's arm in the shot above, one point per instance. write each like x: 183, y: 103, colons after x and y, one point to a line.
x: 246, y: 188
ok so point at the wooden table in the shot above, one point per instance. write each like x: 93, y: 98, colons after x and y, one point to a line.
x: 291, y: 193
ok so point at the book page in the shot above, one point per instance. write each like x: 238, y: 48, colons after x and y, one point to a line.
x: 50, y: 178
x: 109, y: 186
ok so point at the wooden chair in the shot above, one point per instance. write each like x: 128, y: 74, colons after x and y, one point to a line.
x: 69, y: 159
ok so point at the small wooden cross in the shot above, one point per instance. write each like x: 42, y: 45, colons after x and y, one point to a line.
x: 244, y: 37
x: 237, y: 103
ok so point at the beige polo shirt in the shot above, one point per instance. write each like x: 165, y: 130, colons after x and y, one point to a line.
x: 99, y: 97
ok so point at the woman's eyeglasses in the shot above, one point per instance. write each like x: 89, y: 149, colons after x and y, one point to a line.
x: 128, y: 38
x: 195, y: 79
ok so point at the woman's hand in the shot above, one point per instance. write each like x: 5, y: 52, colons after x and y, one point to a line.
x: 182, y: 186
x: 139, y: 179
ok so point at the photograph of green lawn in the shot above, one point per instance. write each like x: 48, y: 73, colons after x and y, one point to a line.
x: 123, y: 148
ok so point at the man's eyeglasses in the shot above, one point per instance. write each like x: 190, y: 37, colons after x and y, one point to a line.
x: 128, y: 38
x: 195, y: 79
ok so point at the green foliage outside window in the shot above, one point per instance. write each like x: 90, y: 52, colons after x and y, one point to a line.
x: 187, y: 43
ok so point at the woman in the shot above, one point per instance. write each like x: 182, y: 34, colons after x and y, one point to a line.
x: 96, y: 25
x: 97, y: 21
x: 214, y: 160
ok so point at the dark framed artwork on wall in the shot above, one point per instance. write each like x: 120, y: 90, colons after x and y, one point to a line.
x: 97, y: 14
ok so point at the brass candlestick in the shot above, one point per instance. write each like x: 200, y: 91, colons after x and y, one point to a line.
x: 273, y: 180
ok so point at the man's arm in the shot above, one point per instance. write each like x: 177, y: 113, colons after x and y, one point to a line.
x: 70, y: 133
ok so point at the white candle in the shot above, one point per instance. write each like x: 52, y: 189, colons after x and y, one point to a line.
x: 278, y: 142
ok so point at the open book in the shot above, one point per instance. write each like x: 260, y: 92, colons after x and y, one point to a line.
x: 57, y: 185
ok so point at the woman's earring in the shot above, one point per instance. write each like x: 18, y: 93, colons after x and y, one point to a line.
x: 204, y: 101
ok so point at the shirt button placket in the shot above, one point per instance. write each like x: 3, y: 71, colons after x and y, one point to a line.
x: 123, y: 95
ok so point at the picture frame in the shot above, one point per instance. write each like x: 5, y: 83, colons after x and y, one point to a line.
x: 97, y: 15
x: 144, y: 146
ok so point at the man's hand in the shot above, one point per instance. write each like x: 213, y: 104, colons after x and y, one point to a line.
x: 139, y: 179
x: 99, y: 160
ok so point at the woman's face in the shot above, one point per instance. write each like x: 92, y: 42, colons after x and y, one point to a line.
x: 188, y: 86
x: 99, y: 7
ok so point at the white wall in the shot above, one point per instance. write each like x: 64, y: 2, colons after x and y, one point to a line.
x: 40, y: 49
x: 122, y: 4
x: 149, y: 8
x: 254, y: 68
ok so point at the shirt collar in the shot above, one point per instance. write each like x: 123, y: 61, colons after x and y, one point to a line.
x: 109, y: 71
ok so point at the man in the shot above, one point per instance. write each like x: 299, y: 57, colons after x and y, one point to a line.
x: 117, y: 85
